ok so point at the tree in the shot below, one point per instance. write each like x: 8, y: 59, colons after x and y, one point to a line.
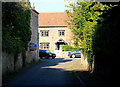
x: 95, y: 26
x: 84, y: 18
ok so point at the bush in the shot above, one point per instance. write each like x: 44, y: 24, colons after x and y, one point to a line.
x: 68, y: 48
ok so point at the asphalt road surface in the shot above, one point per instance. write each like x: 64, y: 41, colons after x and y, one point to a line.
x: 50, y: 73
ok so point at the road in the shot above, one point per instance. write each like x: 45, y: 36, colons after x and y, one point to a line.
x: 50, y: 73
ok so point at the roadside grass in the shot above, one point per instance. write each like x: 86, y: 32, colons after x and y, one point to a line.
x: 39, y: 61
x: 76, y: 75
x: 73, y: 71
x: 92, y: 77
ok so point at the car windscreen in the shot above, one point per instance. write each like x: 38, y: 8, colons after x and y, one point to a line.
x: 48, y: 51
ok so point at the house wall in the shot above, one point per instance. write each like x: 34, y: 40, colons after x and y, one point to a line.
x: 54, y: 36
x: 33, y: 55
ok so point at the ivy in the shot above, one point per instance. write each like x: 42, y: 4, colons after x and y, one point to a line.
x: 16, y: 31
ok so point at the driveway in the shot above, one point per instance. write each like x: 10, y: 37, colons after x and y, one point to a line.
x: 50, y: 73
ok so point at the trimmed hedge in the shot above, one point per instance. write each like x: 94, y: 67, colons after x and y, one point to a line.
x: 68, y: 48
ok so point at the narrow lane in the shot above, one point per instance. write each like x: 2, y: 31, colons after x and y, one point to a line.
x: 50, y: 73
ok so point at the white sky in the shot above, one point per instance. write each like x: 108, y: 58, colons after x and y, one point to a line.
x: 50, y: 5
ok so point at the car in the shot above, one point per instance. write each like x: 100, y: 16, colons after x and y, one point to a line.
x: 75, y: 54
x: 46, y: 54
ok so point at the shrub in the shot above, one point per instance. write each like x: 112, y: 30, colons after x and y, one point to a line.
x: 68, y: 48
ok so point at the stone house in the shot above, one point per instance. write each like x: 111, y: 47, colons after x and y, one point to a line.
x: 53, y: 31
x: 33, y: 50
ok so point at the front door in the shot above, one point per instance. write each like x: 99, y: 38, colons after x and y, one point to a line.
x: 59, y: 46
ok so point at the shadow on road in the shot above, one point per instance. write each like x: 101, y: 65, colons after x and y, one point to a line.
x: 88, y: 79
x: 42, y: 75
x: 54, y: 62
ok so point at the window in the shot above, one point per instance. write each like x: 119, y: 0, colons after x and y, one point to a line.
x: 31, y: 46
x: 44, y: 33
x: 44, y: 45
x: 61, y: 32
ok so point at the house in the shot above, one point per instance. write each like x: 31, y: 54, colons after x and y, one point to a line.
x: 33, y: 50
x: 53, y: 31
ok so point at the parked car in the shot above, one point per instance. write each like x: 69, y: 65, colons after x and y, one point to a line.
x: 75, y: 54
x: 46, y: 54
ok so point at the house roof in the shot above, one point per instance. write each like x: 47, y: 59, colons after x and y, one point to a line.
x: 52, y: 19
x: 35, y: 11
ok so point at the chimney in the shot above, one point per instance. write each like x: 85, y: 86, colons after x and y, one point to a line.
x: 32, y: 5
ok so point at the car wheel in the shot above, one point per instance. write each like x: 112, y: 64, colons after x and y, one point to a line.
x: 73, y: 56
x: 40, y: 57
x: 53, y: 57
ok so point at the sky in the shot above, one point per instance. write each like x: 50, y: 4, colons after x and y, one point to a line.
x: 50, y: 5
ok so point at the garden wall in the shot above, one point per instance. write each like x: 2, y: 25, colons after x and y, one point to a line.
x: 8, y: 62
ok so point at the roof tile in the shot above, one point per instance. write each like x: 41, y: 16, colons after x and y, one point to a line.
x: 53, y: 19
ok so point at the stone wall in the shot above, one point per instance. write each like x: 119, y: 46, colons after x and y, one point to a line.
x: 34, y: 54
x: 30, y: 56
x: 84, y: 61
x: 65, y: 54
x: 61, y: 54
x: 0, y: 44
x: 54, y: 37
x: 19, y: 62
x: 8, y: 62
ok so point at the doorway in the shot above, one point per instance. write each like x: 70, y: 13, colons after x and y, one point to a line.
x: 59, y: 44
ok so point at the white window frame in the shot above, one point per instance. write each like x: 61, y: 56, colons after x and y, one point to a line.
x: 44, y: 33
x: 44, y: 45
x: 61, y: 32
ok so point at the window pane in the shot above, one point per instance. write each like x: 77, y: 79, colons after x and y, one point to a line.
x: 44, y: 33
x: 44, y: 45
x: 47, y: 46
x: 60, y: 33
x: 41, y: 46
x: 63, y: 33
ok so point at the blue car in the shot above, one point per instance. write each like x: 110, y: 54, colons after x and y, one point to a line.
x: 75, y: 54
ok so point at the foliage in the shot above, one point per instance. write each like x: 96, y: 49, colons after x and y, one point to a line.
x: 106, y: 38
x: 16, y: 32
x: 68, y: 48
x: 84, y: 17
